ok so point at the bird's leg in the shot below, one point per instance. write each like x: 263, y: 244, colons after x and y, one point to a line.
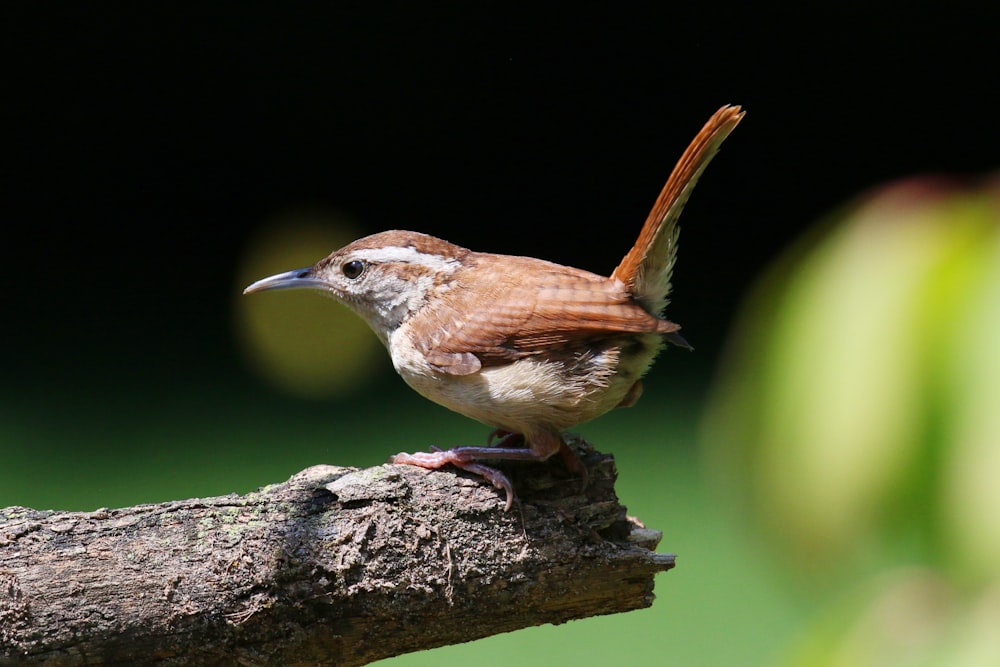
x: 541, y: 448
x: 569, y: 457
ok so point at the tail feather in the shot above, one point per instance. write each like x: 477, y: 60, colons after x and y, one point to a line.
x: 647, y: 268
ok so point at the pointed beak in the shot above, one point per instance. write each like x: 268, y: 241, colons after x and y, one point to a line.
x: 299, y: 278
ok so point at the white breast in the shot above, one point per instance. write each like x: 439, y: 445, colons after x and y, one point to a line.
x: 520, y: 396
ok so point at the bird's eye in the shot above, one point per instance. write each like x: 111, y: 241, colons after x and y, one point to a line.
x: 353, y: 269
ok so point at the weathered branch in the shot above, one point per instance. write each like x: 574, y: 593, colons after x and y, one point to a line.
x: 336, y: 566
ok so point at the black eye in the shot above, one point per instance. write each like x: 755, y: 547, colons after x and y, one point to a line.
x: 353, y: 269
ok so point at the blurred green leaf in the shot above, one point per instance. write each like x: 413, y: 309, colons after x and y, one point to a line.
x: 857, y: 417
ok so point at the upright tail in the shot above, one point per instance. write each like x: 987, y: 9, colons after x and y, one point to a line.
x: 647, y: 267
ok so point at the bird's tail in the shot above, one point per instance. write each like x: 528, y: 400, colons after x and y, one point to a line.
x: 647, y: 267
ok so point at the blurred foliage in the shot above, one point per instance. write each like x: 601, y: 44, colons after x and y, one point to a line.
x: 857, y: 419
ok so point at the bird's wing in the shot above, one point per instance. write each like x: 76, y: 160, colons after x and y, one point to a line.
x: 558, y: 307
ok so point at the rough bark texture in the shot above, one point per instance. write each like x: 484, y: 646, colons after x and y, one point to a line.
x: 336, y: 566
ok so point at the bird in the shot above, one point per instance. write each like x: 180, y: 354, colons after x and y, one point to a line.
x: 524, y: 345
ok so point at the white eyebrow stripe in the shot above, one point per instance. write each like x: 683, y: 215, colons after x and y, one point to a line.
x: 409, y: 255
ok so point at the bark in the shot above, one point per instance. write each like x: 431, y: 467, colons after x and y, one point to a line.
x: 336, y: 566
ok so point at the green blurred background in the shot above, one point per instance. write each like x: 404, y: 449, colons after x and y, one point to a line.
x: 825, y: 464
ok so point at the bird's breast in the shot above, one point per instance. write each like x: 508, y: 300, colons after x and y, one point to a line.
x: 555, y: 391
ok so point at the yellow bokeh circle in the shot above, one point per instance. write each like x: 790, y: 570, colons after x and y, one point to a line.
x: 300, y: 341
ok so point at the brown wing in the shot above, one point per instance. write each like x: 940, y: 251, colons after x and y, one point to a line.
x: 528, y: 305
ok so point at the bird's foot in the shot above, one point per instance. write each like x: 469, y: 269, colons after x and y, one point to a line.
x: 460, y: 459
x: 467, y: 459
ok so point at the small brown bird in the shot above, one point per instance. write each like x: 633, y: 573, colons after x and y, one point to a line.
x: 526, y: 346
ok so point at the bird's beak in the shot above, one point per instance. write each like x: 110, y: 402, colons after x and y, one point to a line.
x: 288, y: 280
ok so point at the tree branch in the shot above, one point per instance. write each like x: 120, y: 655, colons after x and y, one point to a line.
x: 336, y: 566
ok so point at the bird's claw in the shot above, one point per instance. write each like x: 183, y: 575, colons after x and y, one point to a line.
x: 438, y: 458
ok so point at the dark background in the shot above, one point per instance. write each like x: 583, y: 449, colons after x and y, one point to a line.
x: 145, y: 143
